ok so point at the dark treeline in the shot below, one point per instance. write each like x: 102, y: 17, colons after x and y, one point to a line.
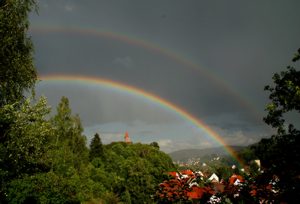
x: 280, y: 154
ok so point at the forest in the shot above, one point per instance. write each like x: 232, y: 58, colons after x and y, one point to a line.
x: 45, y: 158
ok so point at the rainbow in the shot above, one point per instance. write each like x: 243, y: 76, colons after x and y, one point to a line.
x: 150, y: 97
x: 204, y: 72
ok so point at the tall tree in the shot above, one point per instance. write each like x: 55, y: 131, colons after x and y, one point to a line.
x: 69, y: 140
x: 63, y: 119
x: 280, y: 154
x: 17, y: 72
x: 96, y: 147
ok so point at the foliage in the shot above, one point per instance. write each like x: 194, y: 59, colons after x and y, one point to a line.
x: 52, y: 188
x: 133, y: 170
x: 196, y: 188
x: 46, y: 160
x: 96, y: 147
x: 17, y: 72
x: 247, y: 155
x: 25, y: 142
x: 280, y: 154
x: 154, y: 144
x: 35, y: 166
x: 285, y: 97
x: 70, y: 144
x: 183, y: 190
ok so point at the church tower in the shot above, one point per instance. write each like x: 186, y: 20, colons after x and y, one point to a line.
x: 127, y: 138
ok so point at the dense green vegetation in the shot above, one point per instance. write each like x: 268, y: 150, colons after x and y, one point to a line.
x: 45, y: 159
x: 17, y: 72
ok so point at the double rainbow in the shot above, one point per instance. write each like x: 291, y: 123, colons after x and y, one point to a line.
x: 148, y: 96
x: 225, y: 86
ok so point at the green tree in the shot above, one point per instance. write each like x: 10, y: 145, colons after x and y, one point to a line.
x: 132, y: 171
x: 24, y: 147
x: 285, y: 97
x: 17, y: 71
x: 70, y: 144
x: 18, y: 155
x: 63, y: 120
x: 154, y: 144
x: 96, y: 147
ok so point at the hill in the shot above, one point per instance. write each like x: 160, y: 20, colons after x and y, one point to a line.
x: 186, y: 154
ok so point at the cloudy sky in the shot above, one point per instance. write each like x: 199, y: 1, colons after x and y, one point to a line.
x: 209, y: 58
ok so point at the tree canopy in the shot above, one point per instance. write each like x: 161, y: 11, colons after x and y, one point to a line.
x: 285, y: 97
x: 280, y: 154
x: 17, y: 71
x: 96, y: 147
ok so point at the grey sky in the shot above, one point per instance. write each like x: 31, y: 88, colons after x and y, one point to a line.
x: 232, y: 49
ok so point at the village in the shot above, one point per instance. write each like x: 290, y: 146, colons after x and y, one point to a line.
x: 214, y: 181
x: 196, y: 186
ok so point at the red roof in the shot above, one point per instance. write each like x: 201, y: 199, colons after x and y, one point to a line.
x: 187, y: 172
x: 196, y: 193
x: 173, y: 173
x: 234, y: 177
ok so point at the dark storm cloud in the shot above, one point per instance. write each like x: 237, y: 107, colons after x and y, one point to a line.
x: 240, y: 43
x: 162, y: 76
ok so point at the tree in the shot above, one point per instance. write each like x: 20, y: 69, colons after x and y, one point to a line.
x: 24, y: 149
x: 17, y: 71
x: 280, y: 154
x: 154, y: 144
x: 96, y: 147
x: 69, y: 141
x: 63, y: 120
x: 132, y: 171
x: 285, y: 97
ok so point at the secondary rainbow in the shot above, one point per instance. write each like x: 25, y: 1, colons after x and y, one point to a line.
x: 149, y: 96
x: 221, y: 83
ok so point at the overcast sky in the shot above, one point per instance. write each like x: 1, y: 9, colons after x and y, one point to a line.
x: 210, y: 58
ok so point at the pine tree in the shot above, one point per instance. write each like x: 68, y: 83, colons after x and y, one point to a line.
x: 96, y: 147
x: 69, y: 140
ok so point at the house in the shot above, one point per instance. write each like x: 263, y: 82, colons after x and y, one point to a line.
x: 174, y: 174
x: 236, y: 179
x: 187, y: 172
x: 199, y: 173
x: 213, y: 178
